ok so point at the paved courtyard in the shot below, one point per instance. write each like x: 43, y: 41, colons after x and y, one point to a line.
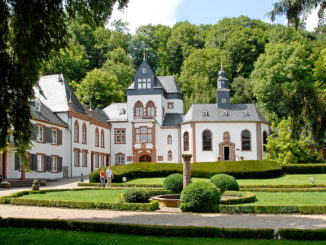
x: 167, y: 216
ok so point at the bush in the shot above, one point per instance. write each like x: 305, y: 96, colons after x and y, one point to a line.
x: 173, y: 182
x: 238, y: 209
x: 248, y: 169
x: 136, y: 195
x: 225, y: 182
x: 302, y: 234
x: 200, y: 197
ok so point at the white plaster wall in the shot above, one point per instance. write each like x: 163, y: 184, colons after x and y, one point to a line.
x: 217, y: 130
x: 124, y: 148
x: 47, y: 149
x: 90, y: 146
x: 178, y: 106
x: 157, y: 99
x: 162, y: 146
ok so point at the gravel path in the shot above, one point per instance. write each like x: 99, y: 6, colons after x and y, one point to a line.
x: 165, y: 216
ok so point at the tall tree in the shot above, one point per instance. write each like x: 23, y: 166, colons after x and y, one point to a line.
x: 295, y: 9
x: 30, y: 30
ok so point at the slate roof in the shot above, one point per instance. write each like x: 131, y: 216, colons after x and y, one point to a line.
x: 47, y: 115
x: 113, y: 112
x: 169, y: 84
x: 237, y: 112
x: 57, y: 94
x: 172, y: 120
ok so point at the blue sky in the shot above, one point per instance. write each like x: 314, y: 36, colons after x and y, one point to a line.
x: 168, y: 12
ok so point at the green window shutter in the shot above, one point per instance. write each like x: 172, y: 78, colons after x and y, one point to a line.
x: 60, y: 137
x: 34, y: 132
x: 60, y: 164
x: 48, y: 135
x: 48, y: 163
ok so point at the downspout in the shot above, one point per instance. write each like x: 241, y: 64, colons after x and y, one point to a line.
x: 70, y: 112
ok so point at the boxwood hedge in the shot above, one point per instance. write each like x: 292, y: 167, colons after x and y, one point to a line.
x: 238, y: 169
x: 312, y: 168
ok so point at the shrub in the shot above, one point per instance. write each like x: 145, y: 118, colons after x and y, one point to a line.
x: 136, y: 195
x: 248, y: 169
x: 225, y: 182
x: 200, y: 197
x: 173, y: 182
x: 313, y: 168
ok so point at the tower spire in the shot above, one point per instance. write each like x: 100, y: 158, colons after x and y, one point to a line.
x: 144, y: 56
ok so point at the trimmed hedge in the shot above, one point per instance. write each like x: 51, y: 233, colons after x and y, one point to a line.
x: 283, y: 189
x: 153, y: 205
x: 283, y: 186
x: 314, y: 168
x: 123, y: 185
x: 234, y: 209
x: 224, y: 182
x: 242, y: 197
x: 300, y: 234
x: 239, y: 169
x: 147, y: 230
x: 136, y: 195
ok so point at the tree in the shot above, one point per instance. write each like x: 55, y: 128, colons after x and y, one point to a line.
x: 199, y: 73
x: 320, y: 71
x: 99, y: 89
x: 281, y: 147
x: 294, y: 9
x: 242, y: 89
x: 30, y: 30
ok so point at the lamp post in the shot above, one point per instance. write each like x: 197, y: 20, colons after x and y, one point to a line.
x: 186, y: 169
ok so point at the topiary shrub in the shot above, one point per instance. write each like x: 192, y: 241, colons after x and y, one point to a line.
x: 173, y: 182
x: 200, y: 197
x: 225, y: 182
x: 135, y: 195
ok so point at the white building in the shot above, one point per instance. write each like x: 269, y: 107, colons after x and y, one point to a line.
x: 69, y: 139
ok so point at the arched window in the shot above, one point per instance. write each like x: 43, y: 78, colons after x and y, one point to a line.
x: 186, y: 141
x: 102, y: 138
x: 245, y: 140
x: 170, y: 156
x: 84, y: 134
x: 139, y: 109
x: 96, y: 137
x: 169, y: 139
x: 120, y: 159
x: 207, y: 140
x: 150, y: 109
x: 264, y: 140
x: 76, y: 132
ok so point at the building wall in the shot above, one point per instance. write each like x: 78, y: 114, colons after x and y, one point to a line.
x: 177, y: 104
x: 162, y: 144
x: 40, y: 148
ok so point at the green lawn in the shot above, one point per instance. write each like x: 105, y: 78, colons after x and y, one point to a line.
x: 289, y: 198
x: 46, y: 236
x: 294, y: 179
x: 83, y: 196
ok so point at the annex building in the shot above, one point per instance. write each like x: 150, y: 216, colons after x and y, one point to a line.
x: 70, y: 139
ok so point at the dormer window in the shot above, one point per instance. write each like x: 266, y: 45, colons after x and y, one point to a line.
x: 122, y: 111
x: 225, y: 113
x: 144, y: 83
x: 37, y: 105
x: 144, y: 70
x: 205, y: 113
x: 245, y: 113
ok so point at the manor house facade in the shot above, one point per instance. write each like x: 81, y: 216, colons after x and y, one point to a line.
x: 70, y: 139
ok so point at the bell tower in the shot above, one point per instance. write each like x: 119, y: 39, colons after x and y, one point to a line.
x: 222, y: 92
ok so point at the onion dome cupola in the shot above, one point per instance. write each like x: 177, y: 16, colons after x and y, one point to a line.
x: 222, y: 92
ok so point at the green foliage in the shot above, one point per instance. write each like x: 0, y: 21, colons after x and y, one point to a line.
x: 99, y: 89
x: 136, y: 195
x: 242, y: 89
x: 238, y: 209
x: 238, y: 198
x: 320, y: 70
x: 225, y: 182
x: 173, y: 182
x: 281, y: 147
x: 148, y: 230
x: 302, y: 234
x: 238, y: 169
x: 200, y: 197
x: 304, y: 168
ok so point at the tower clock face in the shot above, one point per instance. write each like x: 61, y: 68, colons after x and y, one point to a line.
x: 223, y: 100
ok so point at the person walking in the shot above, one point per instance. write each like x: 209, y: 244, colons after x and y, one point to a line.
x: 102, y: 178
x: 109, y: 177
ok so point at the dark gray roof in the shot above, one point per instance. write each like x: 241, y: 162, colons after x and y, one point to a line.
x: 169, y: 84
x: 97, y: 115
x: 76, y: 105
x: 172, y: 120
x: 47, y: 115
x: 237, y: 112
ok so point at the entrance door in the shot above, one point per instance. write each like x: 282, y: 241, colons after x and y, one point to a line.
x: 226, y: 153
x: 145, y: 158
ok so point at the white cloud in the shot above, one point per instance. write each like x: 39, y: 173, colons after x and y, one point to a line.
x: 142, y: 12
x: 312, y: 20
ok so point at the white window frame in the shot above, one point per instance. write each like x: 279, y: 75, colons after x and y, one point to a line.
x: 120, y: 159
x: 40, y: 163
x: 54, y: 136
x: 40, y: 133
x: 54, y: 164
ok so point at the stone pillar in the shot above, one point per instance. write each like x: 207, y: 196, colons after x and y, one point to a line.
x: 186, y: 169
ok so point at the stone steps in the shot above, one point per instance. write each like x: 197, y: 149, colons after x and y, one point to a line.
x: 26, y: 182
